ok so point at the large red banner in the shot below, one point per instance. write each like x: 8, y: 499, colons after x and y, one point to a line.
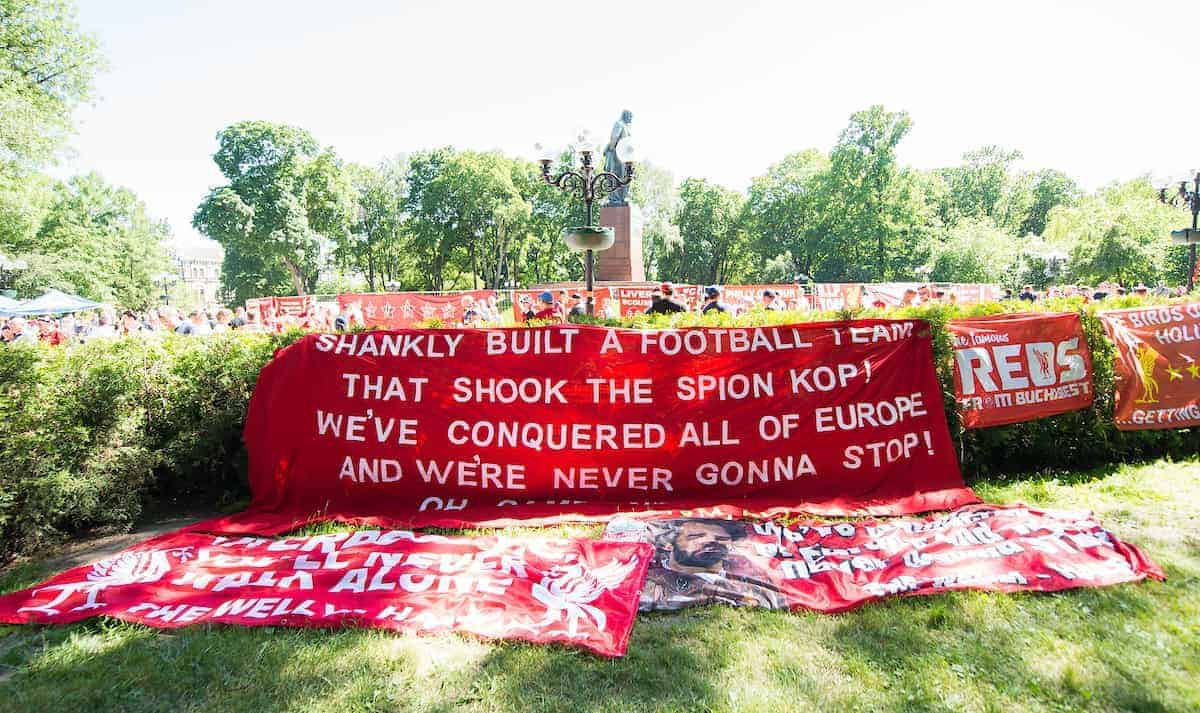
x: 835, y: 566
x: 1158, y: 365
x: 1020, y: 367
x: 400, y: 310
x: 575, y: 592
x: 491, y: 427
x: 636, y: 300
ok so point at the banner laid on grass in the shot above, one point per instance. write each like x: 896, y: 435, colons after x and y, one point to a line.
x: 1158, y: 365
x: 836, y: 566
x: 461, y: 428
x: 576, y: 592
x: 399, y: 310
x: 1020, y: 367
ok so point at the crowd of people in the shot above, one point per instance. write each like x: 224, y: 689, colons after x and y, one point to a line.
x: 548, y: 306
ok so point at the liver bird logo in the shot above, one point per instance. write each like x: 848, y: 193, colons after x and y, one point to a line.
x: 1147, y: 359
x: 569, y: 590
x: 1043, y: 359
x: 126, y: 568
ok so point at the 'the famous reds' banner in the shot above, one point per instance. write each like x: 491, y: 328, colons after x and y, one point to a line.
x: 1158, y: 365
x: 399, y: 310
x: 836, y: 566
x: 575, y: 592
x: 636, y: 300
x: 1020, y: 367
x: 490, y: 427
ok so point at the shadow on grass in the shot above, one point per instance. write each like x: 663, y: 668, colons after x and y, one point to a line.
x: 1079, y: 649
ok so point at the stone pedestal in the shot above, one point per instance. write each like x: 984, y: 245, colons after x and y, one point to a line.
x: 623, y: 261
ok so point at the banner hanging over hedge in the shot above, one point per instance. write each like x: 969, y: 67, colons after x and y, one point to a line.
x: 836, y: 566
x: 400, y: 310
x: 489, y: 427
x: 575, y: 592
x: 1158, y: 365
x: 1020, y: 367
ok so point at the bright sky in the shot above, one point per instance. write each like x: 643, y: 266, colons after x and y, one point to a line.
x: 1098, y: 89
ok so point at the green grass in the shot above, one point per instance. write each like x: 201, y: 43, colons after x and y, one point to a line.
x: 1129, y: 647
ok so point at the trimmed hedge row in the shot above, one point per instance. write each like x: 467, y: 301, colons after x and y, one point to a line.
x: 90, y: 435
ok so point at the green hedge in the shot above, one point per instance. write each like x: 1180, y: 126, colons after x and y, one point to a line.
x: 90, y: 435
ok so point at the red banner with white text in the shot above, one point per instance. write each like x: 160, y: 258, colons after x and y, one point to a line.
x: 491, y: 427
x: 746, y: 297
x: 1158, y: 365
x: 836, y: 566
x: 576, y: 592
x: 400, y: 310
x: 636, y: 300
x: 1020, y: 367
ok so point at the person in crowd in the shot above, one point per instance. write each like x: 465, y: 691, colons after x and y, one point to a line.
x: 198, y: 325
x: 1027, y: 294
x: 239, y: 318
x: 103, y: 328
x: 712, y: 301
x: 50, y: 333
x: 221, y: 323
x: 546, y: 308
x: 130, y: 324
x: 526, y: 306
x: 578, y: 308
x: 662, y: 301
x: 471, y: 318
x: 771, y: 301
x: 908, y: 298
x: 20, y: 332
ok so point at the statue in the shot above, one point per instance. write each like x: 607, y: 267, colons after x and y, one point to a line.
x: 612, y: 163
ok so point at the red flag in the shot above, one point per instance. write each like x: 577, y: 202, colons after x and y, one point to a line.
x: 576, y: 592
x: 1158, y: 365
x: 835, y: 566
x: 1020, y: 367
x: 490, y: 427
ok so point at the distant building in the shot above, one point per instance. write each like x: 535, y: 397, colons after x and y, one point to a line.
x: 198, y: 264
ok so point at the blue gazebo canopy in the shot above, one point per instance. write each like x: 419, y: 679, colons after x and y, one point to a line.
x: 53, y: 302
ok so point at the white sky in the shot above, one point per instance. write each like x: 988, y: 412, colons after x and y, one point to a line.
x: 721, y: 90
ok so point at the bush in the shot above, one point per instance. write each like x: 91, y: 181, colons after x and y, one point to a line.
x: 90, y: 435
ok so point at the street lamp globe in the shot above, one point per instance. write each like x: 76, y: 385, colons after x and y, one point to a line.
x: 544, y: 152
x: 627, y: 150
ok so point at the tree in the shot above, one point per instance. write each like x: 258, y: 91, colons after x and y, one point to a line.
x: 870, y: 197
x: 975, y: 250
x: 785, y: 213
x: 712, y: 246
x: 96, y: 240
x: 466, y: 212
x: 1051, y: 189
x: 376, y: 246
x: 286, y: 200
x: 655, y: 194
x: 47, y: 68
x: 1121, y: 233
x: 987, y: 185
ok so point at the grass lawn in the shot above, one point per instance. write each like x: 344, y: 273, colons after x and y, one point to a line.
x: 1129, y: 647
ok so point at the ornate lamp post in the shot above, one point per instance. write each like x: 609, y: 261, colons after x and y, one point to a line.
x: 586, y: 183
x: 8, y: 275
x: 164, y: 280
x: 1190, y: 199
